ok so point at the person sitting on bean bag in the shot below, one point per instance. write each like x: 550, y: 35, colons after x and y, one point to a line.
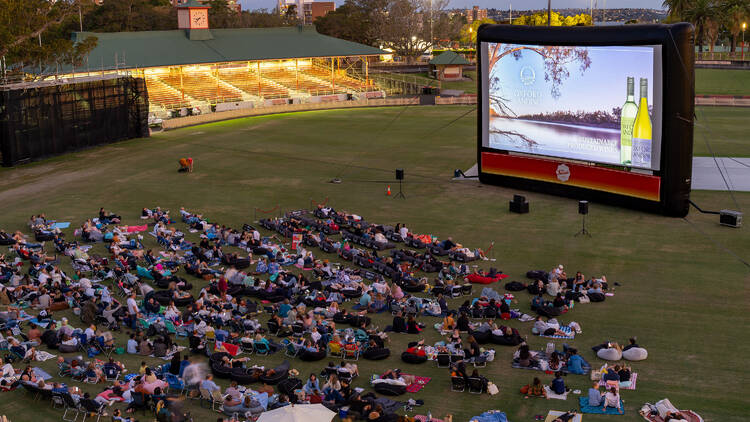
x: 535, y: 389
x: 610, y: 351
x: 634, y: 352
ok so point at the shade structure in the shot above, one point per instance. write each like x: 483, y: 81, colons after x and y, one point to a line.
x: 298, y: 413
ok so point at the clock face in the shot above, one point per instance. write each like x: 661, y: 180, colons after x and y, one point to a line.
x: 199, y: 19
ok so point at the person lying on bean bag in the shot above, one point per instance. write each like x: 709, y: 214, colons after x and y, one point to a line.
x: 608, y: 351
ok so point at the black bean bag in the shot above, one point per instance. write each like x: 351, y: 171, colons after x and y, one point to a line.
x: 7, y: 241
x: 309, y: 356
x: 533, y: 289
x: 244, y: 376
x: 281, y: 373
x: 413, y: 288
x: 387, y: 389
x: 437, y: 250
x: 327, y: 247
x: 340, y: 318
x: 357, y: 320
x: 41, y: 236
x: 414, y: 243
x: 514, y: 286
x: 513, y: 340
x: 482, y: 337
x: 548, y: 311
x: 376, y: 353
x: 67, y: 348
x: 362, y: 262
x: 235, y: 290
x: 163, y: 297
x: 218, y: 357
x: 221, y: 371
x: 596, y: 297
x: 537, y: 275
x: 352, y: 294
x: 394, y: 236
x: 164, y: 283
x: 412, y: 358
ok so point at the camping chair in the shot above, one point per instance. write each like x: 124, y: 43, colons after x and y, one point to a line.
x: 476, y: 386
x: 479, y: 361
x: 66, y: 402
x: 351, y: 352
x: 139, y: 402
x: 292, y: 350
x: 328, y: 371
x: 98, y: 413
x: 104, y: 347
x: 344, y: 375
x: 273, y: 328
x: 298, y: 330
x: 443, y: 360
x: 212, y: 399
x: 458, y: 384
x: 175, y: 383
x: 111, y: 372
x: 261, y: 348
x: 335, y: 350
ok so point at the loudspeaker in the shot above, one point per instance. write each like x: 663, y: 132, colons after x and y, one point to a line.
x: 730, y: 218
x: 519, y: 198
x: 399, y: 174
x: 583, y: 207
x: 519, y: 207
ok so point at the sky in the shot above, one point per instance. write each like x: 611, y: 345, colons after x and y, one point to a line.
x: 503, y: 4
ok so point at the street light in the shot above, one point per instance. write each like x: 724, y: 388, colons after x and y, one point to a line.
x: 744, y: 26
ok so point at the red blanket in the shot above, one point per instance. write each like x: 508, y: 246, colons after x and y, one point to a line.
x: 476, y: 278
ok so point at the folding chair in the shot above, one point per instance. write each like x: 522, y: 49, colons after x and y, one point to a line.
x: 351, y: 352
x: 443, y: 360
x: 476, y: 386
x: 479, y: 361
x: 458, y: 384
x: 175, y: 383
x: 344, y: 375
x: 291, y: 349
x: 335, y: 350
x: 111, y: 373
x: 261, y: 348
x: 67, y: 403
x: 273, y: 328
x: 298, y: 330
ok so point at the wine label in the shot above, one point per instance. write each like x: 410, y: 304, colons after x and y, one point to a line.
x: 626, y: 130
x: 641, y: 152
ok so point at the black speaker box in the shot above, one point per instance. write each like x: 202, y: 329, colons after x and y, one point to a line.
x: 399, y: 174
x: 583, y: 207
x: 519, y: 207
x: 730, y: 218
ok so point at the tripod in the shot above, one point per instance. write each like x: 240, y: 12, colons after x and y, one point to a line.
x: 400, y: 193
x: 583, y: 230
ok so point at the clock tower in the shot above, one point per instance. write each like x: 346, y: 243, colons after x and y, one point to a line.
x: 192, y: 16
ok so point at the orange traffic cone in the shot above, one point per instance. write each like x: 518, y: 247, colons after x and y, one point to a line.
x: 388, y: 191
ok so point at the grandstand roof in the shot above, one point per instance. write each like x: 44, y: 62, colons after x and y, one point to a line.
x: 123, y: 50
x: 449, y: 57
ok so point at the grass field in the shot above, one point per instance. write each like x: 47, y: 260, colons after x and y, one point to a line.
x: 722, y: 82
x: 682, y: 293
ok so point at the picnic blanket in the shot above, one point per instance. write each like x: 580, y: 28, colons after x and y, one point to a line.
x: 423, y: 418
x: 61, y: 225
x: 135, y: 229
x: 564, y: 328
x: 490, y: 416
x: 585, y: 408
x: 551, y: 394
x: 542, y: 356
x: 42, y: 356
x: 41, y: 373
x: 232, y: 349
x: 419, y: 383
x: 555, y: 413
x: 626, y: 386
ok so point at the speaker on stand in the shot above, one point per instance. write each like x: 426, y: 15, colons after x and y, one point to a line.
x: 400, y: 178
x: 583, y: 209
x: 519, y: 205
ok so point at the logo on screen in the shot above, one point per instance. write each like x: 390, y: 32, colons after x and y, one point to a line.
x: 528, y: 76
x: 563, y: 173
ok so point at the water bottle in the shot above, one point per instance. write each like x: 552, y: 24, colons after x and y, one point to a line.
x: 429, y: 416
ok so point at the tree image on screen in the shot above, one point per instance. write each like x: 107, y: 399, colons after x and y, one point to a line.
x: 567, y: 101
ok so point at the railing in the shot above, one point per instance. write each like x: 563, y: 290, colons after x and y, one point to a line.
x: 403, y: 84
x: 723, y: 56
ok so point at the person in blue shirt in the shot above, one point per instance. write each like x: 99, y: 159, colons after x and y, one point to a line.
x: 312, y: 385
x: 612, y: 374
x: 284, y: 308
x: 262, y: 267
x: 209, y: 385
x: 365, y: 300
x: 595, y: 396
x: 575, y: 363
x: 558, y: 385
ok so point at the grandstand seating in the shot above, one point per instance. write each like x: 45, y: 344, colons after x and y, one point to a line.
x: 162, y: 94
x: 247, y: 80
x: 203, y: 86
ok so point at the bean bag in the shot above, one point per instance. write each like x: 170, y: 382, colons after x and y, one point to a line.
x: 437, y: 250
x: 513, y: 340
x: 482, y: 337
x: 412, y: 358
x: 281, y: 373
x: 596, y: 297
x: 221, y: 371
x: 413, y: 288
x: 480, y: 279
x: 218, y: 357
x: 396, y: 237
x: 514, y: 286
x: 635, y: 354
x: 414, y: 243
x: 609, y: 354
x: 66, y: 348
x: 537, y: 275
x: 164, y: 298
x: 7, y: 241
x: 144, y: 273
x: 462, y: 257
x: 352, y: 294
x: 244, y: 376
x: 309, y: 356
x: 376, y: 353
x: 358, y: 320
x: 289, y: 385
x: 388, y: 389
x: 341, y: 318
x: 235, y: 290
x: 42, y: 236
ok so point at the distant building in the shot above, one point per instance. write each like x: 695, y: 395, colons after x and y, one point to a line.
x: 307, y: 10
x: 475, y: 14
x: 232, y: 4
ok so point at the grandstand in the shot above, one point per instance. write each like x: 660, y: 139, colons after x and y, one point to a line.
x: 198, y: 67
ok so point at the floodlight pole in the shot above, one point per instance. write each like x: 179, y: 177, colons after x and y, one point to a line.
x: 742, y: 48
x: 549, y: 12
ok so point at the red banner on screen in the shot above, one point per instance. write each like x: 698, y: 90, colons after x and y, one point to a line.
x: 590, y: 177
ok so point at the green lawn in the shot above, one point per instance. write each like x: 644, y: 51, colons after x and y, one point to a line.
x: 722, y: 82
x: 723, y: 130
x: 682, y: 294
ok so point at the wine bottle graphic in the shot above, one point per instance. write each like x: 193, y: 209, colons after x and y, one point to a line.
x: 642, y: 131
x: 627, y: 120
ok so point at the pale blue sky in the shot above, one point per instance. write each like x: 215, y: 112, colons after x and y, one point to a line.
x: 503, y: 4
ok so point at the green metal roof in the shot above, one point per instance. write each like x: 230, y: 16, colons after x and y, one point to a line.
x: 449, y: 57
x: 126, y: 50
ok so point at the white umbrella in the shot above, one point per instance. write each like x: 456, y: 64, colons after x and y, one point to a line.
x: 298, y: 413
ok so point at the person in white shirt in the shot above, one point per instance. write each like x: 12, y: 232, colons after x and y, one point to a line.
x: 612, y: 399
x: 90, y: 332
x: 403, y: 231
x: 132, y: 347
x: 315, y: 335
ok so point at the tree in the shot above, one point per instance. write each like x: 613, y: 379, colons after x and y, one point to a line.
x: 262, y: 18
x: 469, y: 32
x: 406, y: 26
x: 540, y: 19
x: 677, y: 8
x: 131, y: 15
x: 700, y: 13
x: 349, y: 22
x: 737, y: 12
x: 31, y: 31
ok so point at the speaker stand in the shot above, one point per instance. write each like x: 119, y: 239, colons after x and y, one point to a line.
x: 583, y: 231
x: 400, y: 193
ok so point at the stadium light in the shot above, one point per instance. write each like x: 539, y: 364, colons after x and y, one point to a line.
x: 744, y: 26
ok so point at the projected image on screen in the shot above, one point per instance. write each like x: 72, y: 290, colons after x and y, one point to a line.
x: 593, y: 104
